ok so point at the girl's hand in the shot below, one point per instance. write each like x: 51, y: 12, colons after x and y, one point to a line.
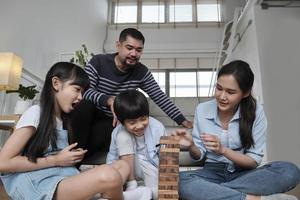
x: 184, y: 137
x: 69, y: 156
x: 212, y: 142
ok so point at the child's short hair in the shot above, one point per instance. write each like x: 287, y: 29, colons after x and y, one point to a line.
x: 130, y: 104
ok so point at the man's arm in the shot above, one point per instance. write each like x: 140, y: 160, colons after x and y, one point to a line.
x: 151, y: 87
x: 92, y: 93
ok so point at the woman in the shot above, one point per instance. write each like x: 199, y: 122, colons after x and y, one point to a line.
x: 230, y: 132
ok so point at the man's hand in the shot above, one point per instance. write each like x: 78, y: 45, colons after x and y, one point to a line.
x: 187, y: 124
x: 110, y: 104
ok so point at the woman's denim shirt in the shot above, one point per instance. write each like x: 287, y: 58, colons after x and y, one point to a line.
x: 207, y: 121
x: 153, y: 132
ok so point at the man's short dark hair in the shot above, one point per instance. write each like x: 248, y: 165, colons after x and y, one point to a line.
x: 130, y: 104
x: 131, y: 32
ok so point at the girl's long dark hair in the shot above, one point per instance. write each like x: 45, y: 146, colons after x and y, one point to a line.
x: 45, y: 134
x: 244, y: 76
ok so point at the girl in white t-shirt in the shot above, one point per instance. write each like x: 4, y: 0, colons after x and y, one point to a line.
x: 37, y: 161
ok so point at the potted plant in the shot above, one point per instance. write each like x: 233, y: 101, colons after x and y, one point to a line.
x: 26, y: 94
x: 82, y: 56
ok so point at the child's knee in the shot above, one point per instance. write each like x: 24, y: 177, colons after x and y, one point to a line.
x: 109, y: 175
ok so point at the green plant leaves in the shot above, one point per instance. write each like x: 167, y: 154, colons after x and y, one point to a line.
x: 25, y: 93
x: 82, y: 56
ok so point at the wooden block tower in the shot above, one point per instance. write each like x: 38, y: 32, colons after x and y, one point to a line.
x: 168, y: 168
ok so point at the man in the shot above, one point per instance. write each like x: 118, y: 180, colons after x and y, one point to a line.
x: 93, y: 119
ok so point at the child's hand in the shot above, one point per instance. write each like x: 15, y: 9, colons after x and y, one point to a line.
x: 184, y: 137
x: 70, y: 155
x: 213, y: 143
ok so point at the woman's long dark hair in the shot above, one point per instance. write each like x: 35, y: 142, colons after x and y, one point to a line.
x: 46, y: 131
x: 244, y: 76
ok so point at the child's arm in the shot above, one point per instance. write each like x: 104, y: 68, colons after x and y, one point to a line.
x: 12, y: 161
x: 125, y: 146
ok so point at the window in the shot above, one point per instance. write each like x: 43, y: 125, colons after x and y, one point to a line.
x: 185, y: 83
x: 153, y: 13
x: 125, y: 12
x: 165, y: 11
x: 181, y: 11
x: 208, y: 12
x: 160, y: 78
x: 205, y: 81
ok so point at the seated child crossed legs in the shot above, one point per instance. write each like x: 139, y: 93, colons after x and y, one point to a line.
x: 136, y: 139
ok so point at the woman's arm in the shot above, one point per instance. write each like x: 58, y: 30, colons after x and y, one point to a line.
x: 239, y: 159
x: 12, y: 161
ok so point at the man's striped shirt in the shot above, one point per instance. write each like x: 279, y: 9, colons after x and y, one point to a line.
x: 106, y: 80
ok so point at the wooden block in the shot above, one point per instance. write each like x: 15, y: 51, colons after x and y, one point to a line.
x: 164, y: 183
x: 170, y: 150
x: 168, y: 199
x: 168, y: 178
x: 168, y: 140
x: 161, y: 192
x: 168, y: 169
x: 168, y: 194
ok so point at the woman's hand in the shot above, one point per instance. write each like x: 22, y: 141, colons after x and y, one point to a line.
x: 212, y: 142
x: 184, y: 137
x: 69, y: 156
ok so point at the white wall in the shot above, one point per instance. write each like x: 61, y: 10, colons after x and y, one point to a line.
x: 271, y: 45
x: 181, y: 41
x: 247, y: 48
x: 39, y: 31
x: 169, y: 39
x: 278, y: 34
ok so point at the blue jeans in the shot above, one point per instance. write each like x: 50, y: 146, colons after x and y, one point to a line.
x: 215, y: 182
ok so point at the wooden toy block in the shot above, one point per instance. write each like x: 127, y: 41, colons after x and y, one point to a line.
x: 168, y: 168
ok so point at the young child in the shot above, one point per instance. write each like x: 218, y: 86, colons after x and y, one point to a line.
x: 37, y: 162
x: 136, y: 139
x: 230, y: 133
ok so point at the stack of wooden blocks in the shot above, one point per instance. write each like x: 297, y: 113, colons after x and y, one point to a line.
x: 168, y: 168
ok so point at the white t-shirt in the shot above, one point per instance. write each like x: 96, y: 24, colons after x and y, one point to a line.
x: 30, y: 117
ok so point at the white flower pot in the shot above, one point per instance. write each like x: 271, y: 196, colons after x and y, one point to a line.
x: 21, y: 106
